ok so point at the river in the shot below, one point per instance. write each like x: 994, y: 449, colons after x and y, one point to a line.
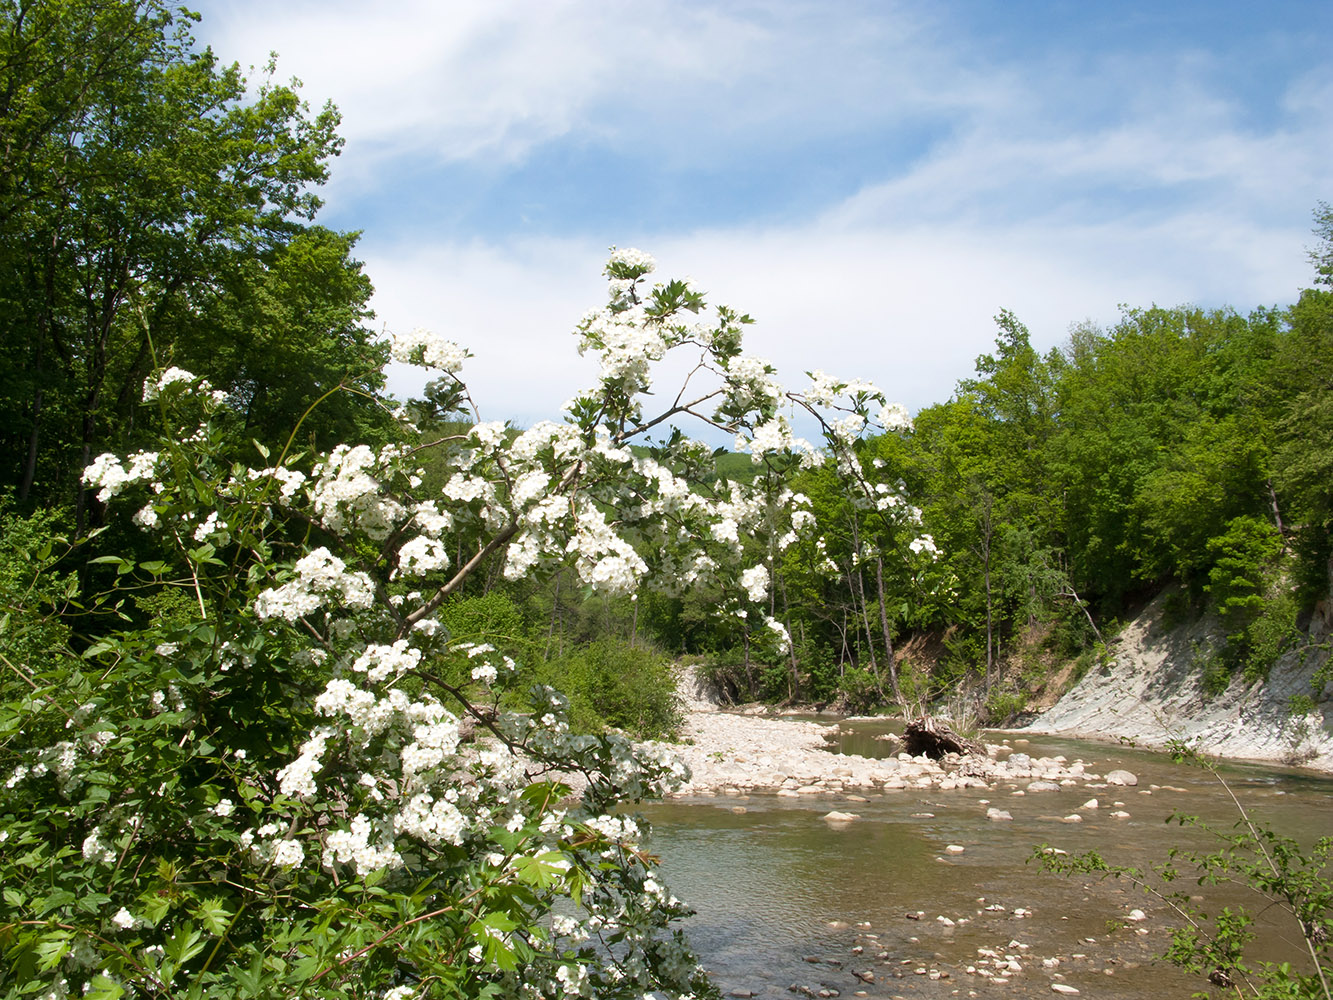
x: 787, y: 901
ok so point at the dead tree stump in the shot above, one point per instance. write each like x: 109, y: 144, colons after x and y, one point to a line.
x: 934, y: 739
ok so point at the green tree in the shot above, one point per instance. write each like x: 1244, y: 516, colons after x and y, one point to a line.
x: 150, y: 210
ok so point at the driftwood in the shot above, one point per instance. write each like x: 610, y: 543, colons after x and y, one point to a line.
x: 934, y: 738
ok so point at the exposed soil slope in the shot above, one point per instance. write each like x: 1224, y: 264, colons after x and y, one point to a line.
x: 1152, y: 692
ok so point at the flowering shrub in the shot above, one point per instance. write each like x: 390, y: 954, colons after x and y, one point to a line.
x: 300, y: 783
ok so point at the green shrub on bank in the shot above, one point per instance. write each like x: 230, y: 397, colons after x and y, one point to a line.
x: 616, y: 683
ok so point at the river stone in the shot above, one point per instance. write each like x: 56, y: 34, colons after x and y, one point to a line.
x: 1043, y: 786
x: 998, y: 815
x: 840, y: 817
x: 1063, y: 988
x: 1119, y: 777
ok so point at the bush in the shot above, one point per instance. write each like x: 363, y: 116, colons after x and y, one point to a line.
x: 612, y: 682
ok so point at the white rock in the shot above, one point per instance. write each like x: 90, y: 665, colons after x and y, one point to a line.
x: 1063, y: 988
x: 1091, y: 804
x: 840, y: 817
x: 1137, y: 916
x: 1121, y: 777
x: 955, y: 849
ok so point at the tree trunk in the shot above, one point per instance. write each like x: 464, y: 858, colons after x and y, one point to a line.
x: 859, y: 592
x: 889, y: 658
x: 791, y: 640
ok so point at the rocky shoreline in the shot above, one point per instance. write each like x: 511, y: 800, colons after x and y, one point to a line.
x: 741, y: 754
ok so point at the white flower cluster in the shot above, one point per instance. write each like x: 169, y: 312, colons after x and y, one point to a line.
x: 107, y: 472
x: 627, y: 341
x: 380, y: 662
x: 755, y: 580
x: 96, y: 849
x: 924, y: 543
x: 344, y: 492
x: 421, y: 347
x: 289, y: 480
x: 421, y: 555
x: 320, y: 578
x: 604, y: 560
x: 432, y: 821
x: 126, y: 921
x: 894, y: 417
x: 353, y: 845
x: 298, y: 777
x: 267, y: 847
x: 750, y: 383
x: 373, y: 715
x: 152, y: 389
x: 630, y: 259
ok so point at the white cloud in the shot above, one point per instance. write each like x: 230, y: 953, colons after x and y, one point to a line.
x: 1052, y: 182
x: 908, y: 309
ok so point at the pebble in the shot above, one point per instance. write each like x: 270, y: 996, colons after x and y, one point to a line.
x: 998, y: 815
x: 955, y: 849
x: 1064, y: 988
x: 836, y: 817
x: 1121, y: 777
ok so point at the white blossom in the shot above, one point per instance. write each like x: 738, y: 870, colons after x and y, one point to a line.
x: 153, y: 389
x: 421, y: 347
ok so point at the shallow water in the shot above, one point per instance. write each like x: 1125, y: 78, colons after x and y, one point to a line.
x: 781, y: 895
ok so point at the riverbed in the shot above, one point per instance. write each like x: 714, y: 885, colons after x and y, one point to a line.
x: 927, y: 892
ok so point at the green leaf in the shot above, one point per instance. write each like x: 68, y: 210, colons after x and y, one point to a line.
x: 184, y: 944
x: 214, y: 915
x: 542, y: 871
x: 491, y: 932
x: 52, y: 949
x: 102, y: 988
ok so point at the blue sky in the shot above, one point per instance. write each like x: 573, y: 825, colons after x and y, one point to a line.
x: 871, y: 181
